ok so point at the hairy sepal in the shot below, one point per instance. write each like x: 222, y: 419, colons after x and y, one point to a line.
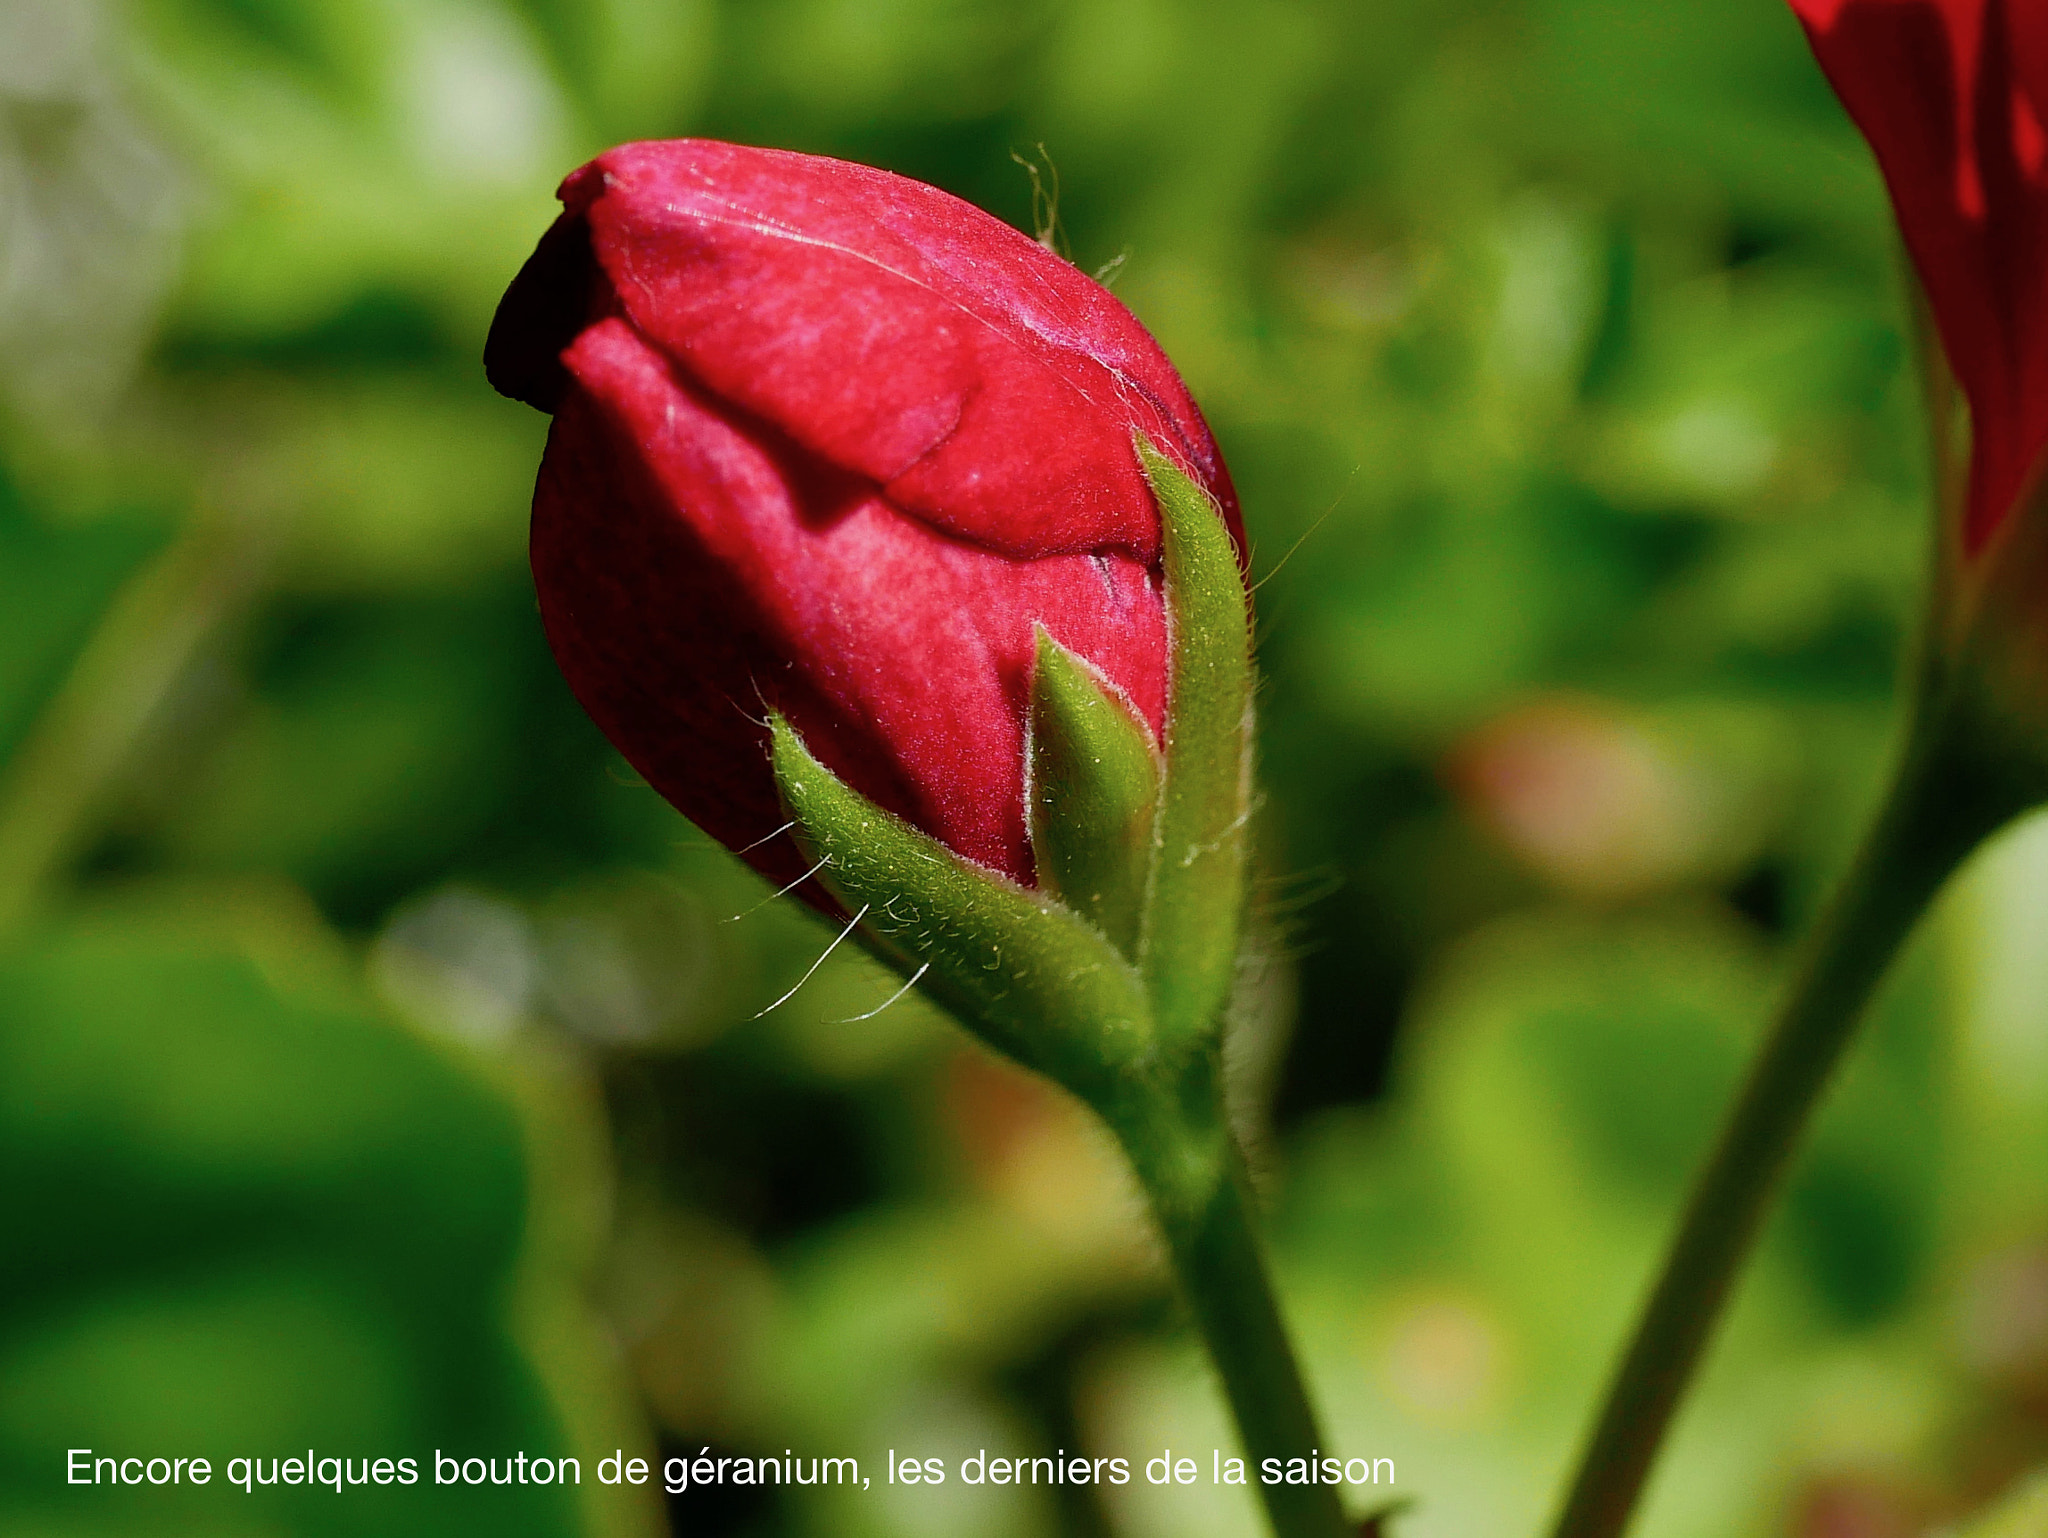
x: 1094, y: 795
x: 1019, y: 968
x: 1195, y: 908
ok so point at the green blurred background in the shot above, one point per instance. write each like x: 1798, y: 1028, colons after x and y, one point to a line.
x: 378, y: 1069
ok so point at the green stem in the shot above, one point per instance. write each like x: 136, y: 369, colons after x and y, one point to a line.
x: 1217, y: 1256
x: 1939, y: 809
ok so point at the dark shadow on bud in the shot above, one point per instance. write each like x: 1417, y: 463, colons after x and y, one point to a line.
x: 548, y: 304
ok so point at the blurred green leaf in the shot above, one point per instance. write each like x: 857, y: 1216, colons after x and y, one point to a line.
x: 262, y: 1220
x: 54, y: 581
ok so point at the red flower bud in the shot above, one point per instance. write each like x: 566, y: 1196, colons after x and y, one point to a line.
x: 1953, y: 97
x: 829, y: 443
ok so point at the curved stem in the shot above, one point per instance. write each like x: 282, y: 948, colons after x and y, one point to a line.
x: 1937, y: 812
x: 1222, y: 1271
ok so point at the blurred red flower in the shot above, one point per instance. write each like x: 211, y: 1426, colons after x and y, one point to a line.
x: 830, y: 442
x: 1953, y: 97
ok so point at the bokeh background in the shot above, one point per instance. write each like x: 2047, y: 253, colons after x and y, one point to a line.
x: 379, y: 1069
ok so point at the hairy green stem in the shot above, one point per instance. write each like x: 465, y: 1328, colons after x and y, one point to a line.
x: 1939, y: 809
x: 1214, y: 1244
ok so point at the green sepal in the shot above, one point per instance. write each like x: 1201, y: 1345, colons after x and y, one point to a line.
x: 1019, y: 968
x: 1094, y: 795
x: 1196, y: 908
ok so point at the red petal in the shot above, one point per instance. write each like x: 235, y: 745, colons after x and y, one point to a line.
x: 694, y: 572
x: 986, y: 386
x: 1953, y: 95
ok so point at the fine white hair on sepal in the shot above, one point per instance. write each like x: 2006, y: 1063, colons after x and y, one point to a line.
x: 764, y: 902
x: 851, y: 925
x: 891, y: 999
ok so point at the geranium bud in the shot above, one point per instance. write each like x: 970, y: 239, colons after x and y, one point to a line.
x: 834, y: 447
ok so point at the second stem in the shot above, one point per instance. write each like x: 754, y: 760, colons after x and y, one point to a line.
x: 1937, y: 812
